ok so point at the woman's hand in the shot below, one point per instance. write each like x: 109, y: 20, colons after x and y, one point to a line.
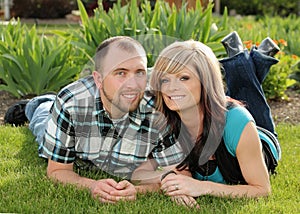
x: 179, y: 188
x: 176, y: 185
x: 186, y: 201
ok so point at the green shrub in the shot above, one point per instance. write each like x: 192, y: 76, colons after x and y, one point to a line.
x: 295, y: 75
x: 31, y: 64
x: 277, y: 7
x: 42, y: 8
x: 261, y: 8
x: 285, y: 28
x: 154, y: 28
x: 277, y: 81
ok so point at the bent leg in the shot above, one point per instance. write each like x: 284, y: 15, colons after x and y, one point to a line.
x: 262, y: 63
x: 243, y: 84
x: 37, y: 112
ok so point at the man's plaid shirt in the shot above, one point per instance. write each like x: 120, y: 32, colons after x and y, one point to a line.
x: 79, y: 127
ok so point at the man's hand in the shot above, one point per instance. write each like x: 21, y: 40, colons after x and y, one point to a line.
x: 109, y: 191
x: 106, y: 190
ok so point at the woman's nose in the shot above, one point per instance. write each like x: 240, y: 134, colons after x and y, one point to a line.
x: 173, y: 85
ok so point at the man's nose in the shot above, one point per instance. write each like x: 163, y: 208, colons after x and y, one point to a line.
x: 133, y: 81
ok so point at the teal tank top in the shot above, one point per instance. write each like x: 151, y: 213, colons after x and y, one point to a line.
x: 236, y: 120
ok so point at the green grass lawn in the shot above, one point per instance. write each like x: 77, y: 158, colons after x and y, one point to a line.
x: 24, y: 187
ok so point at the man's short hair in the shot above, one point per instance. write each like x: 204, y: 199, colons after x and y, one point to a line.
x: 123, y: 42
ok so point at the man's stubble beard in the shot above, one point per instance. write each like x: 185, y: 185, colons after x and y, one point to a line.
x: 118, y: 103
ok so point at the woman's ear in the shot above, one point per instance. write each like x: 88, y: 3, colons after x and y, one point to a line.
x: 98, y: 79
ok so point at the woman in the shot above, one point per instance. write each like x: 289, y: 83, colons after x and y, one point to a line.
x: 224, y: 146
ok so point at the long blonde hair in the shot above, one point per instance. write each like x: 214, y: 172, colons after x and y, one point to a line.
x: 196, y: 55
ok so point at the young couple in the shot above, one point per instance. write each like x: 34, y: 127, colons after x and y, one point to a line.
x: 196, y: 141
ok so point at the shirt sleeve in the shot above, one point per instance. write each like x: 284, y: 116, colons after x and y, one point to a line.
x: 168, y: 150
x: 58, y: 143
x: 236, y: 120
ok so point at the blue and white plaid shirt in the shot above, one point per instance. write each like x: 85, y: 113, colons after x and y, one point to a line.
x: 79, y: 127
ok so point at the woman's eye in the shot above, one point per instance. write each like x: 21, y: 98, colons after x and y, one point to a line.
x: 184, y: 78
x: 164, y: 81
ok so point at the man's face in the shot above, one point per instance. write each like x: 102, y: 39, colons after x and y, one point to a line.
x: 122, y: 82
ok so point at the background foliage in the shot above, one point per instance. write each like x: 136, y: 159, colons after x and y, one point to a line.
x: 42, y: 8
x: 154, y: 28
x: 59, y: 8
x: 27, y: 55
x: 31, y: 64
x: 262, y: 8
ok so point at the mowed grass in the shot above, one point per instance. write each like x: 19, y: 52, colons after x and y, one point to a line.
x: 24, y: 187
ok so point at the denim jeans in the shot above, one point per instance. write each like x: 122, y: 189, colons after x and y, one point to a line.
x: 244, y: 74
x: 37, y: 112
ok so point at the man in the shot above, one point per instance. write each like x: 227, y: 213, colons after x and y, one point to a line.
x: 105, y: 120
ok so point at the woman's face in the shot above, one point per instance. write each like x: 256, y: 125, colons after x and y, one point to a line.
x: 181, y: 91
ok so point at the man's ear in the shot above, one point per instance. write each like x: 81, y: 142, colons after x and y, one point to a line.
x: 98, y: 79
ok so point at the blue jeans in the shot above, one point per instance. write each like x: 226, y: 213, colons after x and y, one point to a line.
x: 37, y: 112
x: 244, y: 74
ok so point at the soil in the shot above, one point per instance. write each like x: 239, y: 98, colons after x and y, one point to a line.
x: 282, y: 110
x: 287, y: 110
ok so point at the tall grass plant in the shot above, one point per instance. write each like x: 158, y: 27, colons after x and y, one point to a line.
x: 31, y: 64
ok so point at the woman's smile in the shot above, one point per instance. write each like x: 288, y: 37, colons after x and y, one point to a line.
x: 176, y: 97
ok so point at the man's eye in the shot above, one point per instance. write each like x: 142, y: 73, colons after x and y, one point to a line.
x: 120, y: 73
x: 141, y: 73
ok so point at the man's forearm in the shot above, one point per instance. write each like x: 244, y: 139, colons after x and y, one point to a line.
x: 70, y: 177
x: 64, y: 173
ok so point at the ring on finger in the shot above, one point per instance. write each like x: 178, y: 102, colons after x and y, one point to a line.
x: 176, y: 187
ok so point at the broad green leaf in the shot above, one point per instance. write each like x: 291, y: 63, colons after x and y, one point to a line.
x: 14, y: 60
x: 207, y: 24
x: 83, y: 14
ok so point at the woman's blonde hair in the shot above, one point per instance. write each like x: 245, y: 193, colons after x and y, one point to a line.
x: 200, y: 58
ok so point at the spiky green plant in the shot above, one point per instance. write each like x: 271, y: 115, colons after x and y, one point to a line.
x: 31, y: 64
